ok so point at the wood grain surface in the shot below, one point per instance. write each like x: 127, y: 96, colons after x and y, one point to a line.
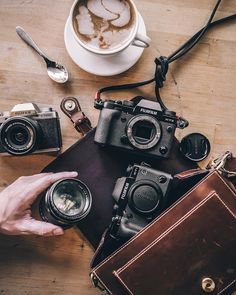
x: 200, y: 86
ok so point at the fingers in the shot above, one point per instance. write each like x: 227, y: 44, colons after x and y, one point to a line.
x: 42, y: 183
x: 40, y: 228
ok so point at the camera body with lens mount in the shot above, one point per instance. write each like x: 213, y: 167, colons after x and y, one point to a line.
x: 139, y: 197
x: 28, y: 129
x: 139, y: 126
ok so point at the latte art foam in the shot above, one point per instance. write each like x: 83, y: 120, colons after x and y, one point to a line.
x: 104, y: 24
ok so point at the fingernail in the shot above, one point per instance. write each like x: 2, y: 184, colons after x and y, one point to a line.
x: 74, y: 173
x: 58, y: 231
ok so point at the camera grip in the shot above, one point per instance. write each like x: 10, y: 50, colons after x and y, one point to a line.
x: 105, y: 125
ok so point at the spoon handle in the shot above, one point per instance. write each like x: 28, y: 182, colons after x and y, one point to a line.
x: 28, y: 40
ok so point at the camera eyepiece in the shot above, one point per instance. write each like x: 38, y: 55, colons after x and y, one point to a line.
x: 66, y: 202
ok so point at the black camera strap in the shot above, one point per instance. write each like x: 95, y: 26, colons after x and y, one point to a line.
x: 162, y: 62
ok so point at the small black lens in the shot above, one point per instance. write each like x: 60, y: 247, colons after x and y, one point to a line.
x: 20, y: 136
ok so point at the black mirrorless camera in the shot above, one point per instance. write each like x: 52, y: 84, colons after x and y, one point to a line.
x: 28, y: 129
x: 140, y: 126
x: 139, y: 198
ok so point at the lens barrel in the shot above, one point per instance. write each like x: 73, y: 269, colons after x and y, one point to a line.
x: 20, y: 135
x: 66, y: 202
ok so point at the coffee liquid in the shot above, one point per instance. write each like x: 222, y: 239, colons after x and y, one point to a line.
x: 103, y: 24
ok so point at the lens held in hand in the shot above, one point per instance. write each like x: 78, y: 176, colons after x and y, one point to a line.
x: 66, y: 202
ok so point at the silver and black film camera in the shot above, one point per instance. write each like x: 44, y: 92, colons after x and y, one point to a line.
x: 139, y: 126
x: 28, y: 129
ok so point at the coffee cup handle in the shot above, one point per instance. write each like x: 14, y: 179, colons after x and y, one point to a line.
x: 141, y: 41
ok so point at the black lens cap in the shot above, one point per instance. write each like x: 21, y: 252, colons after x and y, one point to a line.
x: 195, y: 146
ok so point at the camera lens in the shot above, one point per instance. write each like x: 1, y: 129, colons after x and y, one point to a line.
x: 66, y: 202
x: 145, y: 197
x: 143, y: 132
x: 19, y: 136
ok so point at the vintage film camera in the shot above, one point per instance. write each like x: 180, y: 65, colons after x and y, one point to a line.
x: 139, y: 126
x: 139, y: 197
x: 28, y: 129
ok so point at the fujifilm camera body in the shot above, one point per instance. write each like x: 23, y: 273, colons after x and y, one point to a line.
x: 28, y: 129
x: 139, y: 126
x: 139, y: 198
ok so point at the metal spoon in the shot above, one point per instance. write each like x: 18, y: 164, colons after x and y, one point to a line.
x: 55, y: 71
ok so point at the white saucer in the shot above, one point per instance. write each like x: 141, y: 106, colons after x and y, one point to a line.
x: 103, y: 65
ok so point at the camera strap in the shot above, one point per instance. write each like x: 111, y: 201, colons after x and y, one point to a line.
x: 162, y: 62
x: 71, y: 108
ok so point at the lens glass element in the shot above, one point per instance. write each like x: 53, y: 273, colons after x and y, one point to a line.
x: 71, y: 198
x: 19, y: 136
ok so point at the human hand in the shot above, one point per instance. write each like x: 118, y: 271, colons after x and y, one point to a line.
x: 16, y: 201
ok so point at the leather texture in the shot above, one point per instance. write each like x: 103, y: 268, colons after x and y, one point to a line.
x: 99, y: 168
x: 192, y: 240
x: 71, y: 108
x: 181, y: 183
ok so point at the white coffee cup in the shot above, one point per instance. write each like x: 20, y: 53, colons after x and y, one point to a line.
x: 134, y: 37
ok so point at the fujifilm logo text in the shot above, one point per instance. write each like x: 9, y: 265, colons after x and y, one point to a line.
x: 125, y: 189
x: 147, y: 111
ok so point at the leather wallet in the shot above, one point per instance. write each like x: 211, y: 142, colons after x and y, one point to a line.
x: 99, y: 168
x: 189, y: 249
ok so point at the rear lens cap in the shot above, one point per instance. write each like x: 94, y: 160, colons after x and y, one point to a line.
x: 195, y: 147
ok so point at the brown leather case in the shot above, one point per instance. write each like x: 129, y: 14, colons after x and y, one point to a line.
x: 189, y: 249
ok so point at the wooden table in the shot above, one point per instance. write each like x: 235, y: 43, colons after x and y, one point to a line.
x: 200, y: 86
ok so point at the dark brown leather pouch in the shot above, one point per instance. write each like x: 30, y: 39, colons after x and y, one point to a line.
x: 189, y: 249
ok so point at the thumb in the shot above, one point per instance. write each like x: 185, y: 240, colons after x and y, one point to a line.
x: 42, y: 228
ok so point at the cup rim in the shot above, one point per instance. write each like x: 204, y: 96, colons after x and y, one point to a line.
x: 107, y: 52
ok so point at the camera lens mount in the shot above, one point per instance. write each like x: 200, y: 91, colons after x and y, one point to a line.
x: 66, y: 202
x: 19, y: 135
x: 143, y: 132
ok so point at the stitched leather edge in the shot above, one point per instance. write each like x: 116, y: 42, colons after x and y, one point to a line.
x: 94, y: 271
